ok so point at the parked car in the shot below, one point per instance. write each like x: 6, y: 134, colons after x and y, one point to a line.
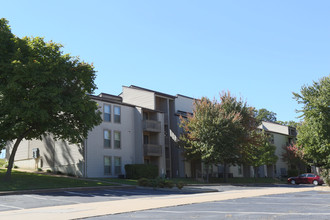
x: 306, y: 178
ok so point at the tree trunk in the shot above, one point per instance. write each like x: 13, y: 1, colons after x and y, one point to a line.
x: 207, y: 173
x: 255, y: 169
x: 12, y: 155
x: 225, y: 177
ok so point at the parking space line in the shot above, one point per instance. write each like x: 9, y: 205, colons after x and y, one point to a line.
x: 273, y: 203
x: 128, y: 192
x: 9, y: 206
x: 76, y: 193
x: 35, y: 197
x: 244, y: 213
x: 41, y: 198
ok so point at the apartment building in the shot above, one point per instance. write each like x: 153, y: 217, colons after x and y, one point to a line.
x: 128, y: 134
x: 172, y: 107
x: 280, y: 136
x: 139, y: 126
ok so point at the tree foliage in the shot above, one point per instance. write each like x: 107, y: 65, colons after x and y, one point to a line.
x: 217, y: 131
x: 43, y: 91
x: 294, y: 155
x: 260, y: 152
x: 264, y: 115
x: 289, y: 123
x: 314, y: 132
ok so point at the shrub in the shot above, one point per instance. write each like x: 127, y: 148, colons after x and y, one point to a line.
x: 293, y: 173
x: 48, y: 171
x: 137, y: 171
x: 180, y: 184
x: 39, y: 169
x: 15, y: 167
x: 158, y: 182
x: 326, y: 176
x: 143, y: 182
x: 168, y: 184
x: 59, y: 172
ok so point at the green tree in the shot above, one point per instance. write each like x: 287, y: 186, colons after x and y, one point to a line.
x: 314, y: 132
x: 217, y: 131
x: 295, y: 157
x: 260, y: 152
x: 264, y: 115
x: 289, y: 123
x: 42, y: 92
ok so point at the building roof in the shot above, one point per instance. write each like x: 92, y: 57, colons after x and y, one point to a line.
x: 156, y: 92
x: 277, y: 128
x: 104, y: 97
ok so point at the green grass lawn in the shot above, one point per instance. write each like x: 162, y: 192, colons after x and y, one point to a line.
x: 242, y: 180
x: 25, y: 181
x: 187, y: 181
x: 119, y: 181
x: 2, y: 162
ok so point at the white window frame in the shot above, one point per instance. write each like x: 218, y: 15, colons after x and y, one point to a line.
x: 104, y: 113
x: 104, y: 135
x: 114, y: 139
x: 104, y: 166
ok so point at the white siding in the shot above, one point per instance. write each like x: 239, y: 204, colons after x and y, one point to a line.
x: 95, y: 147
x: 279, y: 142
x: 273, y: 127
x: 138, y: 97
x: 184, y: 104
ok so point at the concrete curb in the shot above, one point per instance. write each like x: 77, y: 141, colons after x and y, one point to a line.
x: 184, y: 189
x: 32, y: 191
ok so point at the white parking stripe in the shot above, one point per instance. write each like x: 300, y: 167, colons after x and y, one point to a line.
x: 273, y: 203
x: 76, y: 193
x: 128, y: 192
x: 35, y: 197
x: 13, y: 207
x: 244, y: 213
x: 48, y: 198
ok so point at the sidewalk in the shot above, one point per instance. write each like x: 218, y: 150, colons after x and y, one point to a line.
x: 85, y: 210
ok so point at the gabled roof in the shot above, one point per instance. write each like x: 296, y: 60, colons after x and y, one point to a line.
x: 149, y: 90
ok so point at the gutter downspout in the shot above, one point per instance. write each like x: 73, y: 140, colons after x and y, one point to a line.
x: 85, y: 158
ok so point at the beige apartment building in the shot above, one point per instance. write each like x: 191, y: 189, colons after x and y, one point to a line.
x: 139, y: 126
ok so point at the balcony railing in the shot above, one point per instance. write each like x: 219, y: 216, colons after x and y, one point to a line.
x: 152, y: 150
x: 151, y: 125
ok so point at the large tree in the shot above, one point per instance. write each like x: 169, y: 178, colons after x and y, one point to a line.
x: 314, y: 132
x: 42, y: 92
x: 217, y: 131
x: 264, y: 115
x: 294, y: 156
x: 260, y: 152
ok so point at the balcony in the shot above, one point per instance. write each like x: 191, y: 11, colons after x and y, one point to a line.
x: 151, y: 125
x: 152, y: 150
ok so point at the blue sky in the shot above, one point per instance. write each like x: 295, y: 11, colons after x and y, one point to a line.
x: 261, y: 51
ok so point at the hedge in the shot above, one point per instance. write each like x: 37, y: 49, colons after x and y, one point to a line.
x: 137, y: 171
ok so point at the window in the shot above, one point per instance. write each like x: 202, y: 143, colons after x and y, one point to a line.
x: 107, y: 138
x: 117, y: 165
x: 271, y: 138
x: 145, y: 139
x: 240, y: 169
x: 116, y: 111
x: 117, y: 139
x: 107, y: 113
x: 107, y: 165
x: 145, y: 116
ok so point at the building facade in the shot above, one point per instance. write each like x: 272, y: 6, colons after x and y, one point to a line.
x: 139, y: 126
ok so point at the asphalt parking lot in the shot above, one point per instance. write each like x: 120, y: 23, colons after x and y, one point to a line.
x: 222, y: 202
x: 302, y: 205
x: 36, y: 200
